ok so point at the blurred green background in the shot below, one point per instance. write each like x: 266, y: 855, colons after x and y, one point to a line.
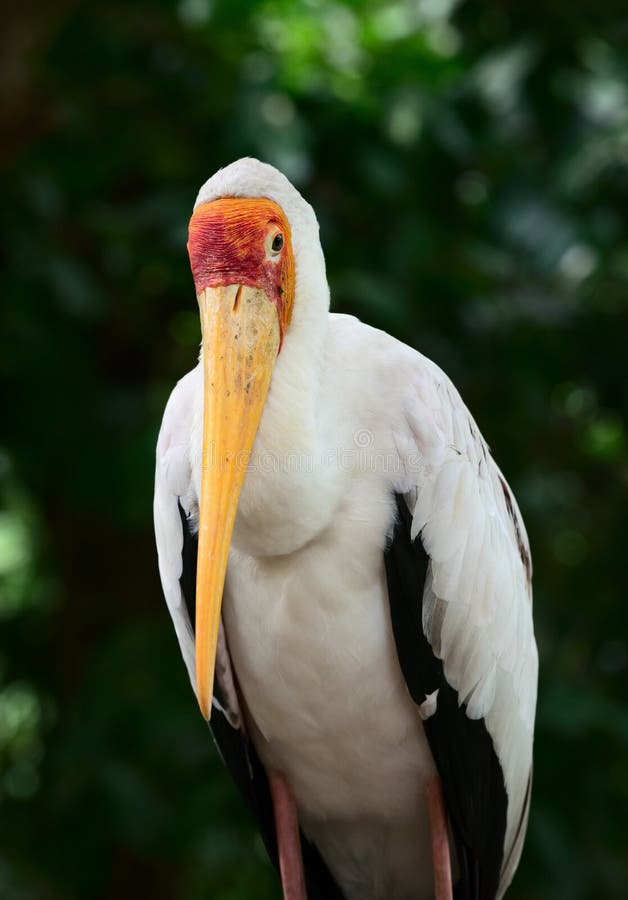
x: 467, y: 162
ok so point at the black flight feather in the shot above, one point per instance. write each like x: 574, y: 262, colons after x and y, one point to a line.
x: 463, y: 751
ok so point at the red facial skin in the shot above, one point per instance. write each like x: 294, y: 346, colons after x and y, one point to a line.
x: 230, y: 243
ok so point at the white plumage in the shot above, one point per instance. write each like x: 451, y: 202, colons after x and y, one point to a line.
x: 352, y: 418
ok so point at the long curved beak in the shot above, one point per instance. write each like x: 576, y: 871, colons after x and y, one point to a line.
x: 240, y: 329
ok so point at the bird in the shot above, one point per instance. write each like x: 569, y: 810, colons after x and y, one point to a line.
x: 347, y: 571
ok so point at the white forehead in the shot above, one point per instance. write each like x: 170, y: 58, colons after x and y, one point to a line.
x: 251, y: 178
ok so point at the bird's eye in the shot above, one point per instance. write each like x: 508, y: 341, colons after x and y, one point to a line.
x: 277, y: 243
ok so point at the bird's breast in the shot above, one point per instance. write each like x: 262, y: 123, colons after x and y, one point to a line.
x: 313, y: 650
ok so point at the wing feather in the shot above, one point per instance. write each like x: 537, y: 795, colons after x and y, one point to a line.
x: 172, y: 493
x: 477, y: 597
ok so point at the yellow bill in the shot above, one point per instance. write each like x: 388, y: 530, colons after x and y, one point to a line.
x: 241, y: 337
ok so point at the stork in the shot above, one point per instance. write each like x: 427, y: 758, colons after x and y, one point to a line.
x: 347, y: 571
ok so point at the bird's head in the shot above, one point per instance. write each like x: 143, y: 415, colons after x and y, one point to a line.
x: 249, y: 229
x: 246, y: 243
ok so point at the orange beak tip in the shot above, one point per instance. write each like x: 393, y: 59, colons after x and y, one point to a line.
x: 205, y: 705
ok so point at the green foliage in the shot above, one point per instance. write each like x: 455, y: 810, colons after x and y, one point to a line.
x: 468, y: 166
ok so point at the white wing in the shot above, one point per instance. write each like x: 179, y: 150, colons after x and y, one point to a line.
x: 173, y: 486
x: 175, y: 495
x: 477, y: 603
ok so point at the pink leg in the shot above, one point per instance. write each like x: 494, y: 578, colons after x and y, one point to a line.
x: 288, y: 838
x: 441, y: 859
